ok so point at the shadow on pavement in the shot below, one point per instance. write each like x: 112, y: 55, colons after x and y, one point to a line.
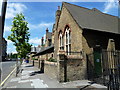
x: 29, y: 66
x: 36, y: 72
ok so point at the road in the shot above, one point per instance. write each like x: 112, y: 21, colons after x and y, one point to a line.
x: 7, y: 67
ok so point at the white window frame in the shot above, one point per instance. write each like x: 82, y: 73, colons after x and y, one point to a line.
x: 61, y: 46
x: 67, y: 40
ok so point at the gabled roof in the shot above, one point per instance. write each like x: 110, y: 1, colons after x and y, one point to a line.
x: 93, y: 19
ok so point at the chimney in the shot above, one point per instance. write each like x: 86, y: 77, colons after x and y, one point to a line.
x: 42, y: 41
x: 47, y: 30
x: 58, y: 13
x: 58, y: 7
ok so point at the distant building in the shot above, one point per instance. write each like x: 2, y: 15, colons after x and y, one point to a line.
x: 33, y: 51
x: 3, y: 42
x: 4, y: 46
x: 4, y: 49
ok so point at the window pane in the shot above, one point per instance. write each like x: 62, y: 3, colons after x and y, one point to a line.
x: 66, y: 48
x: 69, y: 37
x: 66, y: 38
x: 69, y: 47
x: 62, y: 41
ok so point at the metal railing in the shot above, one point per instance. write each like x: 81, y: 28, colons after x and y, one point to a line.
x: 110, y: 65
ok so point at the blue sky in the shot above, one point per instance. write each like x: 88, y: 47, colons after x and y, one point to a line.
x: 41, y: 15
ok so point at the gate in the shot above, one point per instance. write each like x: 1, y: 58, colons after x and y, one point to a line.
x: 109, y: 73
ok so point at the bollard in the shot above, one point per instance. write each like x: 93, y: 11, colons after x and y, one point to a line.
x: 42, y: 66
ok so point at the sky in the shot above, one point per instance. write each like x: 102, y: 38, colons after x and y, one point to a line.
x: 41, y: 15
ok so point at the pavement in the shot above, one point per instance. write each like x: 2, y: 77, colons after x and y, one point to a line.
x: 30, y: 77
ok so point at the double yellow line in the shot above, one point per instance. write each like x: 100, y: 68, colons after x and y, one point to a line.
x: 1, y: 84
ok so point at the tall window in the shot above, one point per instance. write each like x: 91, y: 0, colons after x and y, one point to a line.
x: 68, y: 40
x: 61, y: 46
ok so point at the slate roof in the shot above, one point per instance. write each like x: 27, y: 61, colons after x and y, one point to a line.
x: 35, y: 49
x: 93, y: 19
x: 45, y: 50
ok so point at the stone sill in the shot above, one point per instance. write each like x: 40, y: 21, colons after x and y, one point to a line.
x: 74, y: 57
x: 51, y: 63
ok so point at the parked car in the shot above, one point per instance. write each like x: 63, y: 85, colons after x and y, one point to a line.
x: 9, y: 59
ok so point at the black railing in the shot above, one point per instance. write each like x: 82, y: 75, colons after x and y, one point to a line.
x: 110, y: 66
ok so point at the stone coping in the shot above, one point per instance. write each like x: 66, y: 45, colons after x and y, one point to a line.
x: 74, y: 57
x: 51, y: 63
x: 46, y: 62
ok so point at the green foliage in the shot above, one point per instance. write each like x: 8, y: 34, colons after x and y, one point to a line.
x: 51, y: 60
x: 33, y: 58
x: 20, y: 35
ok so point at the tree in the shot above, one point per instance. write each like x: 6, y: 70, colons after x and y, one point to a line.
x: 20, y: 35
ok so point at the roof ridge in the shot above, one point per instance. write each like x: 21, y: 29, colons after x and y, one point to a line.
x: 76, y: 5
x: 110, y: 15
x: 90, y: 9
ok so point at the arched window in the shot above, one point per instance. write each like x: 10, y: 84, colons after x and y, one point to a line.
x: 61, y: 46
x: 67, y: 40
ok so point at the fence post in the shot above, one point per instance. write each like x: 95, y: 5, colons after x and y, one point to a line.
x: 39, y: 64
x: 42, y: 66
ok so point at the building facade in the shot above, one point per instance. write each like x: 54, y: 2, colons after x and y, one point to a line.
x: 77, y: 32
x: 4, y: 49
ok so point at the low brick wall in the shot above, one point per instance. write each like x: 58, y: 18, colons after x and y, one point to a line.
x: 71, y: 68
x: 51, y: 69
x: 76, y: 69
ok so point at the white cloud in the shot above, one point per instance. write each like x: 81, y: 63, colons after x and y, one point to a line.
x: 8, y: 28
x: 109, y: 5
x: 44, y: 38
x: 41, y: 25
x: 11, y: 50
x: 9, y: 41
x: 14, y: 8
x: 35, y: 40
x: 14, y: 52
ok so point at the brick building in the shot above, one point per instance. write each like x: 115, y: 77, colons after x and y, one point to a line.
x: 76, y: 33
x: 4, y: 49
